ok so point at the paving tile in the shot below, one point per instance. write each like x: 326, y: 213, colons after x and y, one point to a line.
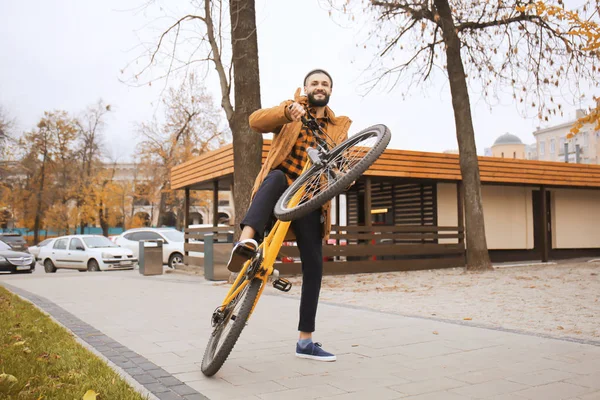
x: 183, y: 390
x: 158, y: 373
x: 243, y: 391
x: 145, y: 378
x: 378, y: 393
x: 590, y: 396
x: 312, y: 392
x: 438, y: 396
x: 542, y: 377
x: 591, y: 381
x: 554, y: 391
x: 431, y: 385
x: 182, y: 368
x: 483, y: 375
x: 169, y: 396
x: 490, y: 388
x: 169, y: 381
x: 156, y: 387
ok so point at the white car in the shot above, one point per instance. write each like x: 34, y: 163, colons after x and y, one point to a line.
x: 172, y: 239
x: 85, y: 253
x: 35, y: 250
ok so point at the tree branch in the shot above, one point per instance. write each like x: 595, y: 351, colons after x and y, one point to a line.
x: 417, y: 14
x: 225, y: 84
x: 496, y: 22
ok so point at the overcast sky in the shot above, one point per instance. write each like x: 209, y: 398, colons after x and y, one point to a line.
x: 67, y: 54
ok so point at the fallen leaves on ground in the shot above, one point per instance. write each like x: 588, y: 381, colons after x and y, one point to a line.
x: 90, y: 395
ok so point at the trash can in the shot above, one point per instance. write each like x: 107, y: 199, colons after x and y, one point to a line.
x: 151, y: 257
x: 216, y: 256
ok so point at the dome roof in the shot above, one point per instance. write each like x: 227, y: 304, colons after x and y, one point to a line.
x: 507, y: 138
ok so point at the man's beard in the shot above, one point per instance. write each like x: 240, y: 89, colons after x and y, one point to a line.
x: 318, y: 103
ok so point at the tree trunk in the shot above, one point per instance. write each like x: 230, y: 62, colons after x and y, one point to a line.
x: 477, y: 252
x: 247, y: 144
x: 38, y: 210
x: 162, y: 206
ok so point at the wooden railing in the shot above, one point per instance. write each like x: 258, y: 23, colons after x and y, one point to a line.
x: 354, y: 249
x: 357, y: 249
x: 194, y: 242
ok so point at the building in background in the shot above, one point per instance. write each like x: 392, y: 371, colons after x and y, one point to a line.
x: 508, y: 146
x: 552, y: 143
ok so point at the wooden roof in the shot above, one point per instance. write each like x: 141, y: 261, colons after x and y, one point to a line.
x: 200, y: 172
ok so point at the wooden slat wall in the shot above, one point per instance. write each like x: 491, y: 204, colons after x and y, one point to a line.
x: 415, y: 204
x: 415, y: 164
x: 384, y: 248
x: 410, y: 203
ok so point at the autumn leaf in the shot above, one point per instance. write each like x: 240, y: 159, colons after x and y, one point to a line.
x: 20, y: 343
x: 6, y: 381
x: 467, y: 318
x: 560, y: 328
x: 90, y: 395
x: 436, y: 333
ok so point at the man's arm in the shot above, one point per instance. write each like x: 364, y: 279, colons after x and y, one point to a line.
x: 268, y: 120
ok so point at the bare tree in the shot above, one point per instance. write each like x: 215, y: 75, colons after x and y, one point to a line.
x: 6, y: 127
x: 190, y: 128
x: 91, y: 125
x: 204, y: 30
x: 496, y: 45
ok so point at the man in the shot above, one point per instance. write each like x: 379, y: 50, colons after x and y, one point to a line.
x: 283, y: 165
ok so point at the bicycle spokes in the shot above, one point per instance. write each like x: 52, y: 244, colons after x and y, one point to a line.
x: 336, y: 168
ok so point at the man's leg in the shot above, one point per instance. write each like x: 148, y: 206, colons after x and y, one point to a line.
x: 310, y: 244
x: 258, y: 216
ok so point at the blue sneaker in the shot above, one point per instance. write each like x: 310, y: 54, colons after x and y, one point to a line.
x: 314, y: 351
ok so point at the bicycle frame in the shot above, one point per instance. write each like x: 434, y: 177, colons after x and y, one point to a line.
x: 272, y: 244
x: 270, y: 249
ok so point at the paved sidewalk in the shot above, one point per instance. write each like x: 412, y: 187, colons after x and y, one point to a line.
x: 155, y: 329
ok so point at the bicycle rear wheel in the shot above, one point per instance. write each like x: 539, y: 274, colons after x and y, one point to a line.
x: 226, y: 333
x: 346, y: 163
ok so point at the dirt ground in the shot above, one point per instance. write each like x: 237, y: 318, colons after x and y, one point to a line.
x: 557, y: 299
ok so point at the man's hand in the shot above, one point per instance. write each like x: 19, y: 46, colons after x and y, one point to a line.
x: 295, y: 111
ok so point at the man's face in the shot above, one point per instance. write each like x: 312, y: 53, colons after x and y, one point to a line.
x: 318, y: 89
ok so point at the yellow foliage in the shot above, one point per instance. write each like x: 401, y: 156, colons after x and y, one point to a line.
x: 588, y: 30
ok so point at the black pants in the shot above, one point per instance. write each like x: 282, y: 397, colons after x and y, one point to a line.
x: 308, y: 236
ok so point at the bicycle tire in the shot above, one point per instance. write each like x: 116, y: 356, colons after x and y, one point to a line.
x: 214, y: 358
x: 283, y: 213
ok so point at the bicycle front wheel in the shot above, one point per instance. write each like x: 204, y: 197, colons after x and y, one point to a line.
x: 345, y: 164
x: 226, y: 333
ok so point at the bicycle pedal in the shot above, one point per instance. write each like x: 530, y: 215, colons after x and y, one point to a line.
x: 282, y: 284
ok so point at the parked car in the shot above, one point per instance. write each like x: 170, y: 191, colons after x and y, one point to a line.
x: 14, y: 240
x: 15, y: 261
x: 85, y: 253
x: 172, y: 242
x: 35, y: 250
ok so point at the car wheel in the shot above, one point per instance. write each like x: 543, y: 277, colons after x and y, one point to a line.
x: 49, y: 266
x: 93, y: 266
x: 174, y: 259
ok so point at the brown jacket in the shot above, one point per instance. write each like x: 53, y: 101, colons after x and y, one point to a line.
x: 286, y: 133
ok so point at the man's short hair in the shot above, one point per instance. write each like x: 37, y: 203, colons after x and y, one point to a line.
x: 318, y: 71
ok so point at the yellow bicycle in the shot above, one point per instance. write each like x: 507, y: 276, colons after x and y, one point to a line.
x: 328, y: 172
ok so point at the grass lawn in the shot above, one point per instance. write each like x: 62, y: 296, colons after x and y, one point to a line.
x: 41, y: 360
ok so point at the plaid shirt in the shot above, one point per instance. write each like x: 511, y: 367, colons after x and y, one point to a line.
x: 294, y: 163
